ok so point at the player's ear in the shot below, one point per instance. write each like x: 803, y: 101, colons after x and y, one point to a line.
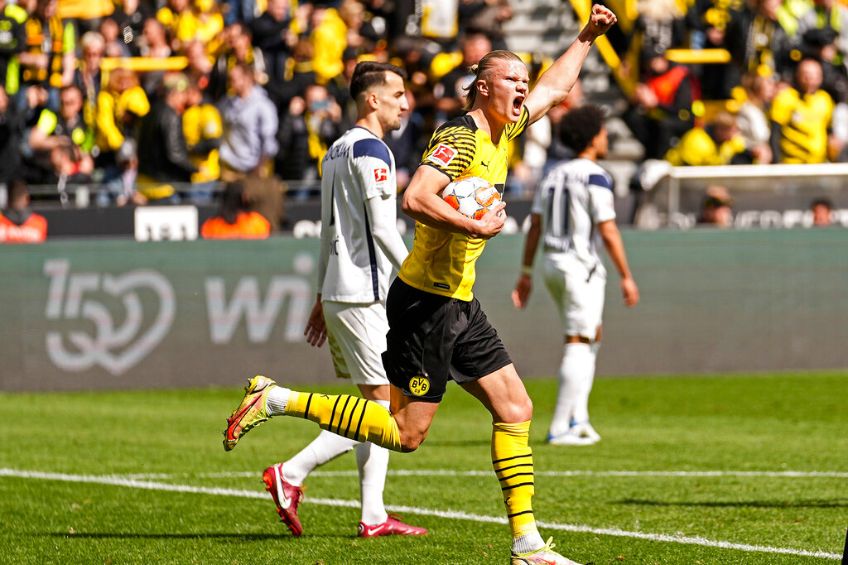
x: 482, y: 86
x: 371, y: 100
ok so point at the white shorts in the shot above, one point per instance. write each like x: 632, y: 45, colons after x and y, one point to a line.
x: 579, y: 295
x: 356, y: 334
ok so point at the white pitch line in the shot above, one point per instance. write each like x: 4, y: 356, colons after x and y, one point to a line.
x: 447, y: 514
x: 575, y: 473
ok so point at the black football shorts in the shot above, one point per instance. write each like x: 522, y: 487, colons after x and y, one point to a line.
x: 434, y: 338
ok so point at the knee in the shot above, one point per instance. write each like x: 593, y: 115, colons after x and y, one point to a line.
x: 519, y: 410
x: 410, y: 441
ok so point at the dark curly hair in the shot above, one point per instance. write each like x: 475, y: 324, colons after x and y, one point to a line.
x: 580, y: 126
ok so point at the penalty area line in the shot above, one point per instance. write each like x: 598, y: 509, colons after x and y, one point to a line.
x: 447, y: 514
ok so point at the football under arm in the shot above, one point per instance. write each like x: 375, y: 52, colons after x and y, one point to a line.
x: 382, y: 215
x: 421, y: 201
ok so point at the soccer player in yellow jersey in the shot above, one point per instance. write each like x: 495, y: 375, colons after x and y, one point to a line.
x: 437, y: 330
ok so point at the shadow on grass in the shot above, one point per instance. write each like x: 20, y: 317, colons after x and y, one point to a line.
x: 221, y: 535
x: 741, y: 503
x: 457, y: 443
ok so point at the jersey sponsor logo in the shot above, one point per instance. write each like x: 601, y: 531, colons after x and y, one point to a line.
x: 381, y: 174
x: 419, y: 385
x: 443, y: 155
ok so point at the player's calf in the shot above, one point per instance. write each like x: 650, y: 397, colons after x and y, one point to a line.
x: 348, y: 416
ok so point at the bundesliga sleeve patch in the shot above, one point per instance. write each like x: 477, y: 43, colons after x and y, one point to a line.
x: 381, y: 175
x: 443, y: 155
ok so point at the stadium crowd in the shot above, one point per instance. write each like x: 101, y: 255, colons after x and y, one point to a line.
x: 263, y: 91
x: 784, y: 91
x: 261, y: 87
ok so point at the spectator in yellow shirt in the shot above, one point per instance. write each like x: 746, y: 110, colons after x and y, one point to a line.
x: 329, y: 39
x: 801, y: 116
x: 50, y: 55
x: 119, y: 106
x: 716, y: 144
x: 202, y: 22
x: 171, y: 14
x: 203, y: 130
x: 237, y: 49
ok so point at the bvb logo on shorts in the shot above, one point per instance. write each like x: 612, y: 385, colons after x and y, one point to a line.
x: 419, y: 385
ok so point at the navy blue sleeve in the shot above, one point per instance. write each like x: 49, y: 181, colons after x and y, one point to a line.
x: 372, y: 148
x: 601, y: 181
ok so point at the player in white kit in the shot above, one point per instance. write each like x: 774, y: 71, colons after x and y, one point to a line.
x: 360, y: 245
x: 572, y: 209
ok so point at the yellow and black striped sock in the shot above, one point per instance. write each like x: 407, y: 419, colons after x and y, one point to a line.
x: 512, y: 459
x: 349, y: 416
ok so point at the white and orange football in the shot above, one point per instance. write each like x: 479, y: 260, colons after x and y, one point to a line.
x: 471, y: 196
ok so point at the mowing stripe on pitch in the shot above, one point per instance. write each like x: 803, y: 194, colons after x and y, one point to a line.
x: 489, y: 472
x: 447, y: 514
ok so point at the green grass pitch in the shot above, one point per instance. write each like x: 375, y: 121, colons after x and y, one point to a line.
x: 144, y: 479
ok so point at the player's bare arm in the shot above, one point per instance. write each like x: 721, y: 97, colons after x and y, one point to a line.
x: 421, y: 201
x: 316, y: 328
x: 554, y: 85
x: 524, y: 285
x: 615, y: 248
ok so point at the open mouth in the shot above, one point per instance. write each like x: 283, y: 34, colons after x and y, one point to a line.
x: 517, y: 103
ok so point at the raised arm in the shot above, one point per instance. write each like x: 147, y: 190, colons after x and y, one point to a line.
x: 553, y: 86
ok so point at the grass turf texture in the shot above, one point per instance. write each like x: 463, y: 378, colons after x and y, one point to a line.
x: 739, y: 423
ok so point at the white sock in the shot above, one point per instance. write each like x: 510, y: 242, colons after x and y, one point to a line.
x: 581, y: 402
x: 278, y: 397
x: 530, y: 541
x: 324, y: 448
x: 373, y: 463
x: 577, y: 368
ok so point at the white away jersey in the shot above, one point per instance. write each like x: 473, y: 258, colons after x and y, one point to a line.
x: 357, y: 167
x: 572, y: 199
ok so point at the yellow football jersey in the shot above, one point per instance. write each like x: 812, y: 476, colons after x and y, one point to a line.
x: 804, y: 120
x: 443, y: 262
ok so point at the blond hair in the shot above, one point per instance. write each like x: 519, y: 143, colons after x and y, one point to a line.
x: 481, y: 71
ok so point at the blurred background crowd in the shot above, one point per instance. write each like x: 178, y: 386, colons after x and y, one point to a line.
x: 780, y: 96
x: 254, y: 91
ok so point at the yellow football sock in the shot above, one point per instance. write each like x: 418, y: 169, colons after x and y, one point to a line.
x: 512, y: 459
x: 349, y: 416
